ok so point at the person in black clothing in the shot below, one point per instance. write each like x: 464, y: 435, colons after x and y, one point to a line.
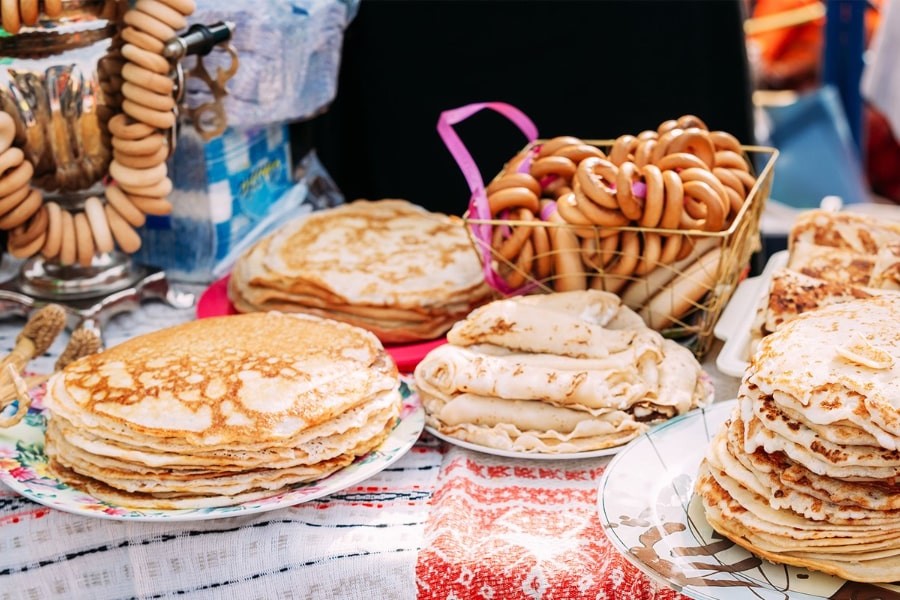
x: 589, y: 68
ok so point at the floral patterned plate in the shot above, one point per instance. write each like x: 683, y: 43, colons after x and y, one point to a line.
x: 651, y: 515
x: 23, y: 467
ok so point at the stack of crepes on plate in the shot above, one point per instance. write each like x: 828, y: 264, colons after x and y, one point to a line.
x: 833, y: 257
x: 220, y: 411
x: 806, y: 470
x: 556, y: 373
x: 389, y: 266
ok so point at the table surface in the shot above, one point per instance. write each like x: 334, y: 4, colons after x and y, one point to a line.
x: 442, y: 522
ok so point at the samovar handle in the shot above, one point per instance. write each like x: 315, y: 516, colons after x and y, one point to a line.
x: 209, y: 118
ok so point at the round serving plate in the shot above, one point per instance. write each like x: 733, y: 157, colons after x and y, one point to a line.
x: 651, y: 515
x: 23, y: 467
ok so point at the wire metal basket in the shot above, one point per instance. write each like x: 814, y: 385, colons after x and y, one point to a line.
x: 681, y: 298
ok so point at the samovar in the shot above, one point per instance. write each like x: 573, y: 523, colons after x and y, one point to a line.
x: 65, y: 81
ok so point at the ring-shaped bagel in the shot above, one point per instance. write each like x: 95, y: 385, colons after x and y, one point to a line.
x: 7, y: 131
x: 508, y: 180
x: 597, y: 177
x: 142, y: 40
x: 124, y: 206
x: 568, y: 272
x: 674, y: 203
x: 666, y: 126
x: 650, y: 255
x: 20, y: 249
x: 709, y: 179
x: 513, y: 197
x: 569, y: 212
x: 670, y: 249
x: 578, y: 152
x: 21, y: 213
x: 16, y: 178
x: 552, y: 145
x: 84, y: 240
x: 32, y: 229
x: 598, y: 215
x: 52, y: 8
x: 521, y: 271
x: 68, y: 250
x: 93, y: 210
x: 162, y: 12
x: 148, y: 24
x: 54, y: 230
x: 145, y: 97
x: 686, y: 121
x: 151, y: 205
x: 630, y: 205
x: 145, y: 58
x: 140, y: 147
x: 11, y: 18
x: 123, y: 233
x: 723, y: 140
x: 731, y: 160
x: 654, y: 203
x: 622, y: 149
x: 662, y: 144
x: 543, y: 259
x: 680, y: 160
x: 552, y: 165
x: 511, y: 246
x: 120, y: 126
x: 694, y: 141
x: 714, y: 219
x: 644, y: 152
x: 141, y: 161
x: 10, y: 158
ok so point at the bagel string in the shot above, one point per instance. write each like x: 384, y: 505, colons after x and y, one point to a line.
x: 139, y: 111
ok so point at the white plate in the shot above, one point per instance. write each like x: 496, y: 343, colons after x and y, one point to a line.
x: 652, y: 517
x: 733, y: 326
x: 23, y: 467
x: 519, y: 454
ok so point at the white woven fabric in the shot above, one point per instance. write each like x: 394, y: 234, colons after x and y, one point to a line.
x: 359, y: 543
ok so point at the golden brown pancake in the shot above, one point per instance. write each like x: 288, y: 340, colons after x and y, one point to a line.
x: 219, y: 409
x: 388, y: 266
x: 805, y: 471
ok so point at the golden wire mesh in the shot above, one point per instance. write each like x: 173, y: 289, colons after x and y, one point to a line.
x: 682, y: 299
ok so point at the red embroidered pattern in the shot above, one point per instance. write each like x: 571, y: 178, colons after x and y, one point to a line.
x: 528, y: 530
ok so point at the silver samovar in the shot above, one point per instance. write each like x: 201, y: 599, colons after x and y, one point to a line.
x: 58, y: 82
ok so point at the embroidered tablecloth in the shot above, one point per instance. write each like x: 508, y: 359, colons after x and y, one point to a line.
x: 442, y: 522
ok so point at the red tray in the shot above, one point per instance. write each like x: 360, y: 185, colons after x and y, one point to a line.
x: 214, y: 302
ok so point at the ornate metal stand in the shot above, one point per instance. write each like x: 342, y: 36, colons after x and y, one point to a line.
x: 91, y: 296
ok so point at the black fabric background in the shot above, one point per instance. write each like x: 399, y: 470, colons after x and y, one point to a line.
x: 590, y: 68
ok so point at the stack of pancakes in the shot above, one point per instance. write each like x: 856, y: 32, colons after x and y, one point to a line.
x: 806, y: 470
x: 220, y: 411
x: 389, y: 266
x: 556, y: 373
x: 833, y: 258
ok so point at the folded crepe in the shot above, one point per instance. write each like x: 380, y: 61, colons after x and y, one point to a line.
x: 563, y: 372
x: 388, y: 266
x: 805, y: 471
x: 220, y: 411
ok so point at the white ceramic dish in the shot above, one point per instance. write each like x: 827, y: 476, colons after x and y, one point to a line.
x: 518, y: 454
x: 651, y: 515
x: 733, y: 326
x: 23, y: 467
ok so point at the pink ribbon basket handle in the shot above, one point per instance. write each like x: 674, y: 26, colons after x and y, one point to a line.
x: 478, y: 203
